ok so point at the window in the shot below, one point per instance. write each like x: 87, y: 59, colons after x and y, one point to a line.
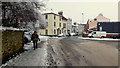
x: 46, y: 32
x: 93, y: 33
x: 60, y: 31
x: 46, y: 16
x: 54, y: 24
x: 54, y: 17
x: 60, y: 18
x: 95, y: 19
x: 54, y: 31
x: 59, y: 24
x: 64, y: 25
x: 47, y: 23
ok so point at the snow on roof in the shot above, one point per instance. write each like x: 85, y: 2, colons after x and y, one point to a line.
x: 65, y: 16
x: 47, y: 12
x: 52, y: 12
x: 10, y: 28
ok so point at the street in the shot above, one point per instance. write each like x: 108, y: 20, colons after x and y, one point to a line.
x: 69, y: 51
x: 59, y: 33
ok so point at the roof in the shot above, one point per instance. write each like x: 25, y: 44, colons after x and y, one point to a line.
x: 64, y: 18
x: 101, y: 18
x: 50, y: 12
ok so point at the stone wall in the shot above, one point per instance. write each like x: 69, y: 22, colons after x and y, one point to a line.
x: 0, y: 47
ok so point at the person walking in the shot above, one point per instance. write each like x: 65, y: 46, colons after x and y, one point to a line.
x: 69, y: 33
x: 35, y: 39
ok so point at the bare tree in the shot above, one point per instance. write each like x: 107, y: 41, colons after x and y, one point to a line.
x: 22, y: 14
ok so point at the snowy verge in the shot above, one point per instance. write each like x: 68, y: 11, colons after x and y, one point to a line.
x: 99, y: 39
x: 28, y: 46
x: 30, y: 58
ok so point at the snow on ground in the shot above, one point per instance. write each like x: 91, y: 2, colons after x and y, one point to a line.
x: 10, y: 28
x: 29, y: 45
x: 31, y: 57
x: 103, y: 39
x: 43, y: 38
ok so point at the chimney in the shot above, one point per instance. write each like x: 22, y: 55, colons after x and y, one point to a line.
x: 60, y: 13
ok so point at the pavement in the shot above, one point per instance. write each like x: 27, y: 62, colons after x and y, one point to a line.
x: 30, y: 57
x: 29, y: 45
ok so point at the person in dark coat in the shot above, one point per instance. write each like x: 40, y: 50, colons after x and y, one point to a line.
x: 35, y: 39
x: 69, y: 33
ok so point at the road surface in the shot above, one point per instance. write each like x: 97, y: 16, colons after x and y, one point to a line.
x: 71, y: 51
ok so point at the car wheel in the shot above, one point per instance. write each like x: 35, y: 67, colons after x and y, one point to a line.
x: 91, y: 37
x: 102, y: 37
x: 25, y: 40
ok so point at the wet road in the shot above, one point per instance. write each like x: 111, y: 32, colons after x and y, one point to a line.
x: 91, y: 53
x: 69, y: 52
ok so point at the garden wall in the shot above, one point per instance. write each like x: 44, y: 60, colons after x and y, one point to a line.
x: 12, y: 43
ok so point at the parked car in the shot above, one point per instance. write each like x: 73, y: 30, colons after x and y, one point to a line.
x: 73, y: 34
x: 27, y: 36
x: 62, y: 35
x: 115, y: 37
x: 98, y: 34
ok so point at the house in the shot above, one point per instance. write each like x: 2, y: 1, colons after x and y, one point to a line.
x: 64, y: 23
x: 81, y: 28
x: 56, y: 23
x: 93, y: 23
x: 69, y: 25
x: 86, y: 26
x: 75, y: 27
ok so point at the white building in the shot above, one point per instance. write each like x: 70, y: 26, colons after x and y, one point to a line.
x: 56, y: 24
x: 81, y: 28
x: 69, y: 25
x: 75, y: 28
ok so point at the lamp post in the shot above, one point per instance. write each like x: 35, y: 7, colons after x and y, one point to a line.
x: 82, y: 22
x: 82, y: 17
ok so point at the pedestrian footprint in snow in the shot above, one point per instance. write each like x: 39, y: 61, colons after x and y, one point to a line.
x: 35, y: 39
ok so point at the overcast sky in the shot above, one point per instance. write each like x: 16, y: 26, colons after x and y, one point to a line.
x: 91, y: 8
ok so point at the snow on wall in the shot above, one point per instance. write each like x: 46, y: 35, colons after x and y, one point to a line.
x: 10, y: 28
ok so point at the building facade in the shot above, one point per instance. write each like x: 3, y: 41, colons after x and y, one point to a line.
x: 109, y: 27
x: 93, y: 23
x: 55, y: 24
x: 81, y: 28
x: 75, y: 27
x: 69, y: 25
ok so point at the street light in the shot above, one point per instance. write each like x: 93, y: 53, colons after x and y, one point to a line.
x: 82, y: 21
x: 82, y: 17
